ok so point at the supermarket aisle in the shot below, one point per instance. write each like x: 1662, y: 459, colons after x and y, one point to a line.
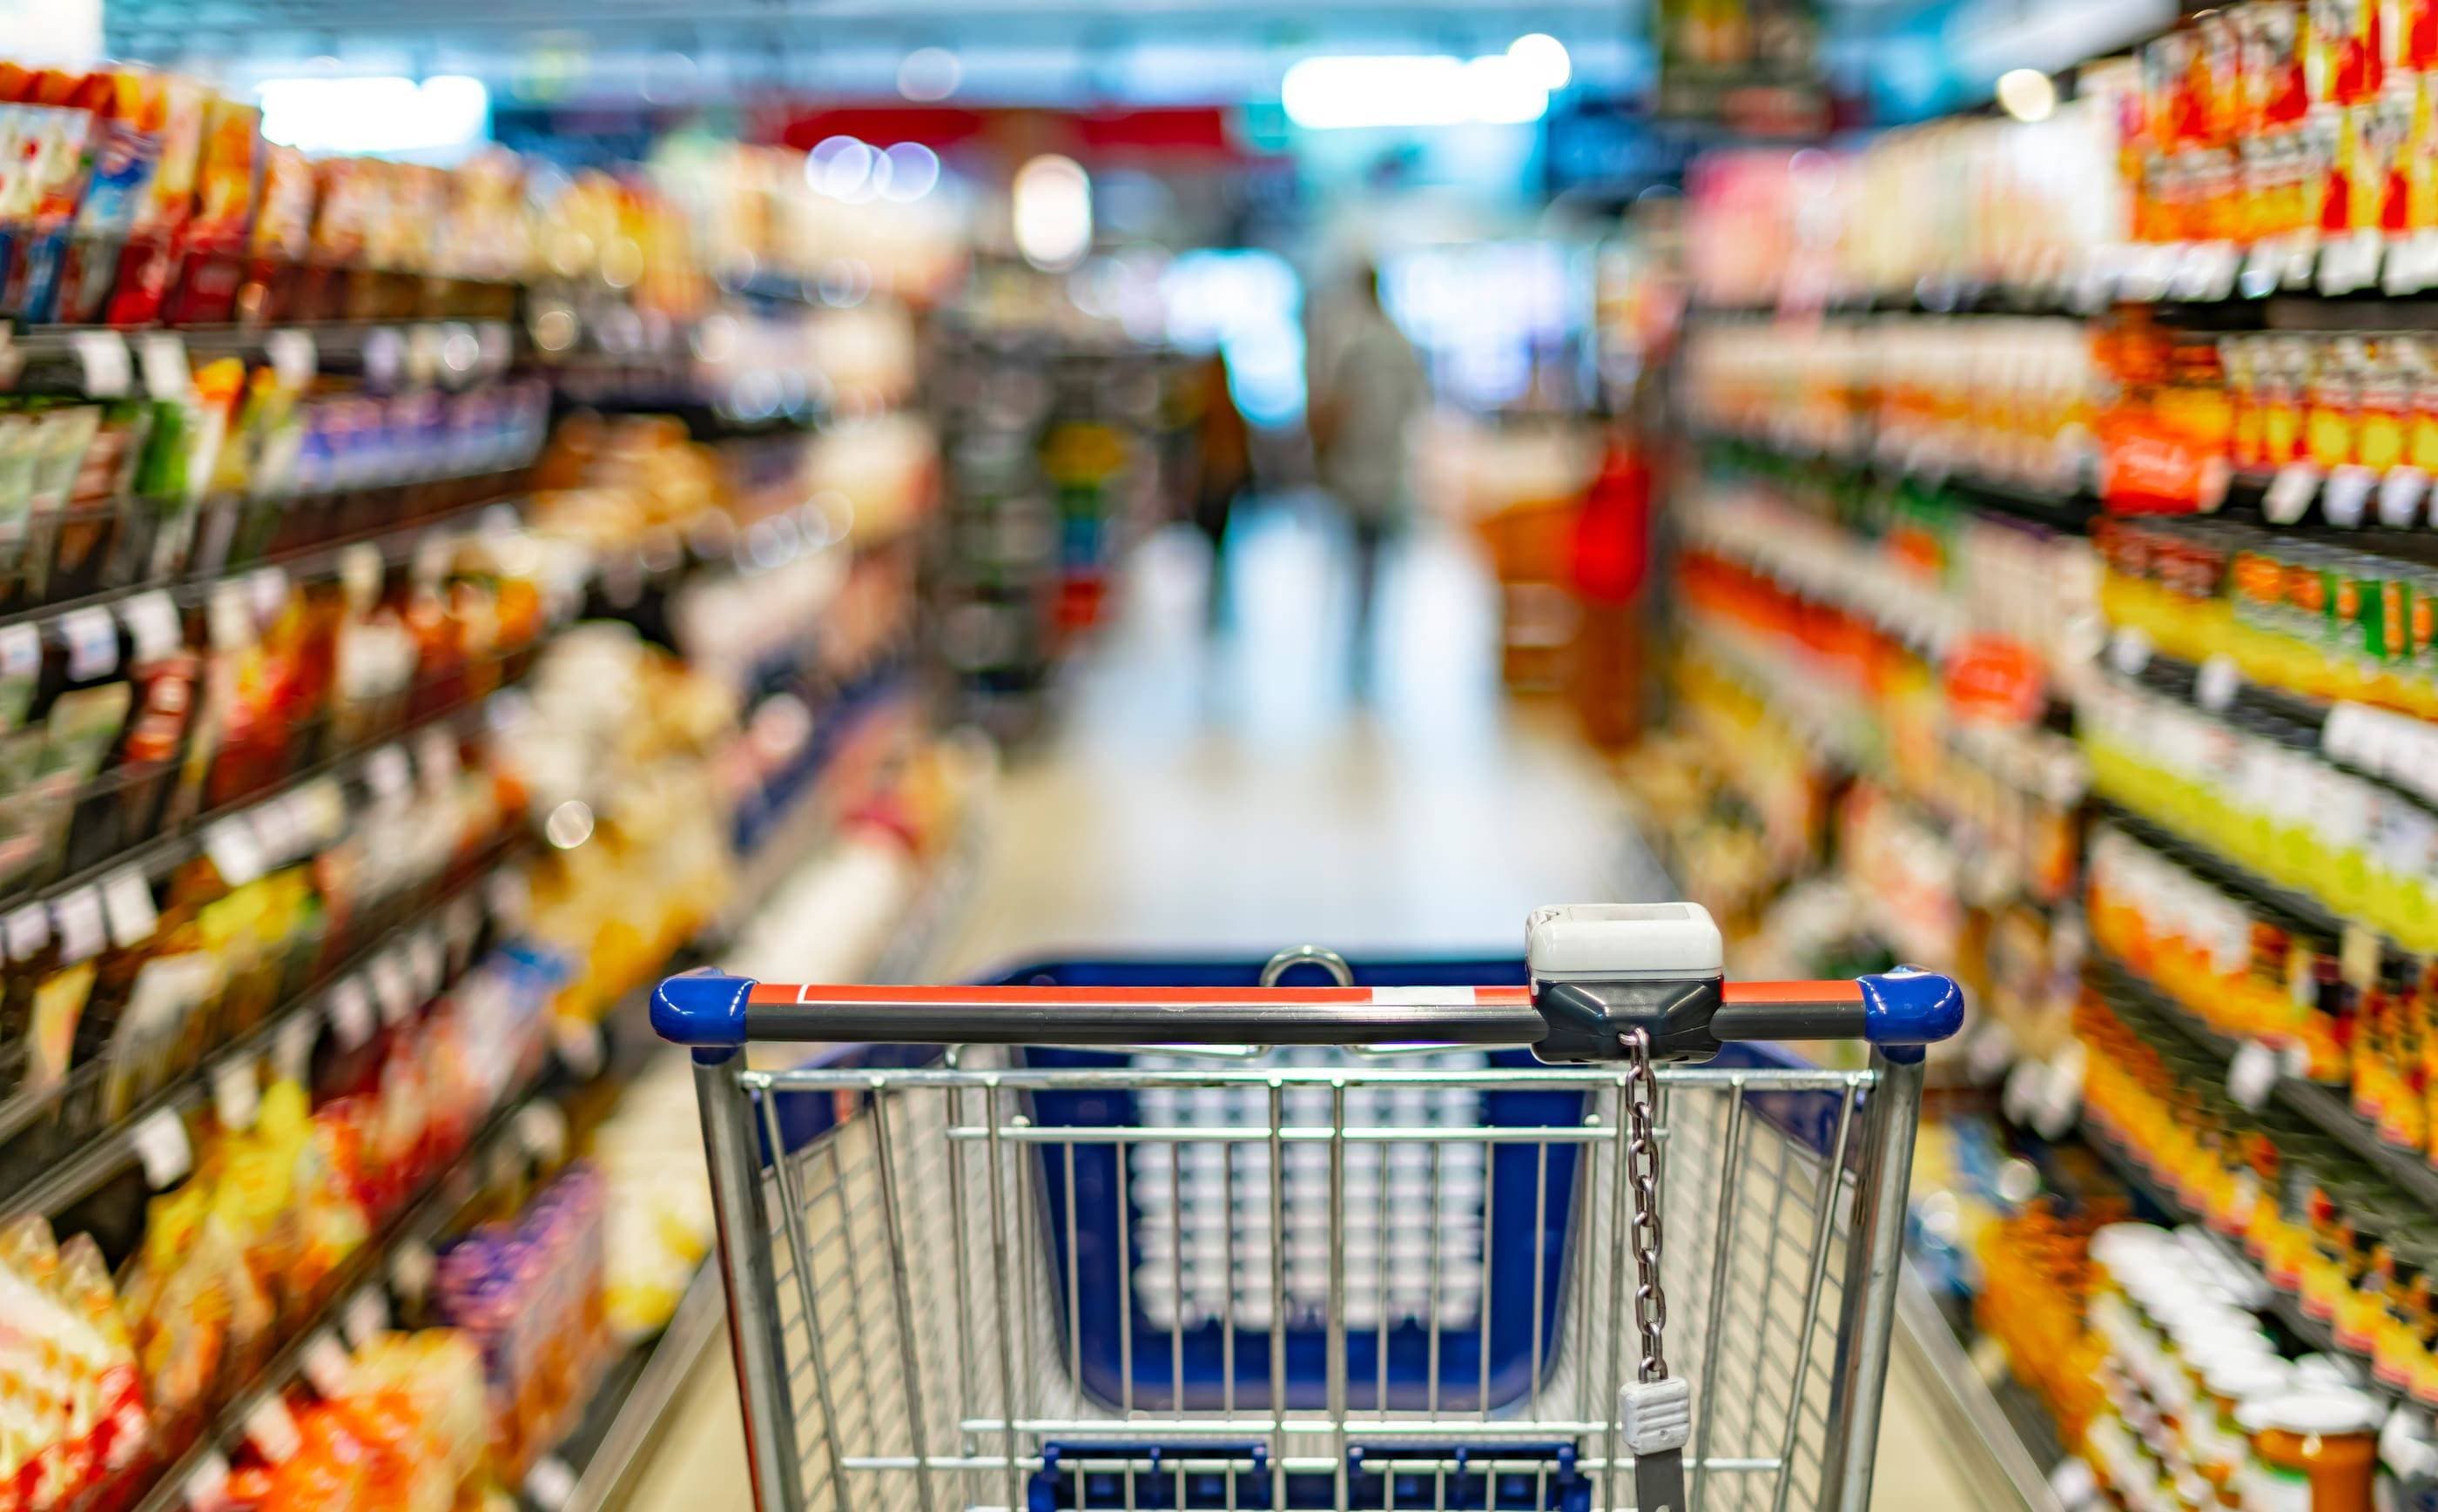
x: 1232, y: 800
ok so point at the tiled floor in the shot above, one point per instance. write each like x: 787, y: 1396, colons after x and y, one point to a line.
x: 1231, y: 798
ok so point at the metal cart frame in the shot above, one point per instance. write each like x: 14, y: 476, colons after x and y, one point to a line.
x: 908, y: 1323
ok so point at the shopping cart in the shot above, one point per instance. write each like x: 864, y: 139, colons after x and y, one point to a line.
x: 1159, y: 1235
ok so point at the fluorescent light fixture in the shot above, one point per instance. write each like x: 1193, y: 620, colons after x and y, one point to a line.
x: 2028, y: 95
x: 928, y: 74
x: 1542, y: 57
x: 913, y: 171
x: 385, y: 113
x: 1324, y: 93
x: 1050, y: 204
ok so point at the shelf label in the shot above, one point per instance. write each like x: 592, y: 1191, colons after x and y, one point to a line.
x: 234, y: 851
x: 2217, y: 684
x: 391, y: 988
x: 386, y: 771
x: 127, y: 899
x: 162, y: 1148
x: 109, y: 367
x: 2252, y: 1076
x: 291, y: 1048
x: 2129, y: 651
x: 268, y: 588
x: 351, y: 1012
x: 428, y: 962
x: 2291, y: 493
x: 163, y: 357
x: 541, y: 1129
x: 2347, y: 495
x: 579, y: 1045
x: 206, y: 1487
x: 411, y: 1270
x: 237, y: 1092
x: 293, y: 356
x: 92, y: 640
x: 229, y: 617
x: 271, y: 1429
x: 26, y: 931
x: 2399, y: 496
x: 78, y: 917
x: 367, y: 1317
x: 152, y: 626
x: 326, y: 1363
x: 550, y: 1484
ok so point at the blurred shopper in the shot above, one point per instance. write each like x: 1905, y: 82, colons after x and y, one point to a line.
x: 1367, y: 387
x: 1224, y: 459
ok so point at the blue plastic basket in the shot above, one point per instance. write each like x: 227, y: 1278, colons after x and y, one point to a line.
x: 1511, y: 1249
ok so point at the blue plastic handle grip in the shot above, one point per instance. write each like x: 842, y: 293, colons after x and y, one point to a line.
x: 1905, y: 1009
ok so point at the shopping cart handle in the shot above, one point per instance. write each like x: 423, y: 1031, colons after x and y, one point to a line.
x: 1562, y: 1021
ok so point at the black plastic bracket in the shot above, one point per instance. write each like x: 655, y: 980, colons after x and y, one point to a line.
x: 1588, y: 1021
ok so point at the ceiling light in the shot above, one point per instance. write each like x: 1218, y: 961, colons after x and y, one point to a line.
x: 1542, y: 57
x: 2028, y: 95
x: 1050, y: 205
x: 928, y: 74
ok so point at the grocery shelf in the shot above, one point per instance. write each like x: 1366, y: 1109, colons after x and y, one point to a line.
x: 2222, y: 871
x: 443, y: 1204
x: 2068, y: 511
x: 2005, y: 1431
x: 587, y: 1469
x: 187, y: 838
x: 2314, y: 1335
x: 2326, y: 1108
x: 97, y: 359
x: 62, y: 1184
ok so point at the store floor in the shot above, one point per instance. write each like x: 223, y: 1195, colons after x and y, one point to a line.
x: 1230, y: 797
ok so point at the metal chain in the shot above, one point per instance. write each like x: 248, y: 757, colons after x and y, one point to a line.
x: 1642, y: 1173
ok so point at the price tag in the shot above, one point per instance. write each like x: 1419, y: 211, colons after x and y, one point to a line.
x: 367, y: 1317
x: 384, y: 357
x: 2291, y: 493
x: 268, y: 588
x: 151, y: 626
x: 351, y: 1012
x: 109, y: 367
x: 2215, y: 685
x: 163, y: 357
x: 77, y: 915
x: 386, y: 771
x: 2358, y: 955
x: 127, y: 900
x: 2074, y: 1484
x: 541, y: 1129
x: 579, y: 1045
x: 2252, y: 1076
x: 411, y: 1270
x: 92, y: 640
x: 2399, y: 497
x: 292, y: 1049
x: 326, y: 1364
x: 320, y: 809
x: 2351, y: 262
x: 427, y: 959
x: 2347, y: 498
x: 21, y: 652
x: 293, y: 356
x: 272, y: 1429
x: 206, y: 1487
x: 228, y: 617
x: 550, y: 1484
x: 162, y: 1148
x: 237, y: 1092
x: 235, y: 852
x: 2129, y: 651
x: 26, y: 931
x: 392, y: 988
x: 2061, y: 1093
x: 274, y: 828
